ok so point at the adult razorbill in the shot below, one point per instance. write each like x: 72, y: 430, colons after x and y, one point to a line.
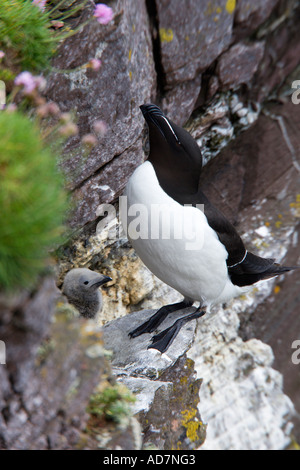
x: 198, y: 253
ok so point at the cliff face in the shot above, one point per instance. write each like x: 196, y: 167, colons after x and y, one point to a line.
x: 214, y: 69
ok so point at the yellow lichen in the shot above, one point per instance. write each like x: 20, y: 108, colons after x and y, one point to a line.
x: 230, y: 6
x: 166, y: 35
x: 296, y: 206
x: 276, y: 289
x: 191, y: 423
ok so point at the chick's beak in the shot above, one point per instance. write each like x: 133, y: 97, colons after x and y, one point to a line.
x: 100, y: 281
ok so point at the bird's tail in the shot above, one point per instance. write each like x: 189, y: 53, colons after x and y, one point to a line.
x: 254, y: 269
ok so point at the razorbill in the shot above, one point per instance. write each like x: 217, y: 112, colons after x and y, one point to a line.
x: 198, y: 253
x: 81, y: 287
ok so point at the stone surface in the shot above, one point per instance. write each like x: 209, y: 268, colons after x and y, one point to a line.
x: 165, y: 386
x: 241, y: 397
x: 179, y: 102
x: 54, y: 361
x: 192, y: 36
x: 156, y: 53
x: 249, y: 15
x: 169, y: 55
x: 281, y: 52
x: 113, y: 94
x: 262, y: 199
x: 238, y: 65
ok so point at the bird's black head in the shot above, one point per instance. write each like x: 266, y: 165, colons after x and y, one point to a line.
x: 174, y: 153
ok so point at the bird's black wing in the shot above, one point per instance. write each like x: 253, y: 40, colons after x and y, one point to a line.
x: 244, y: 268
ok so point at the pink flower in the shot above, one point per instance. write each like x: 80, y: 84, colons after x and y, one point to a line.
x: 10, y: 108
x: 95, y: 64
x: 89, y: 140
x: 103, y: 13
x: 100, y: 128
x: 57, y: 24
x: 2, y: 54
x: 27, y: 81
x: 40, y: 82
x: 40, y: 3
x: 68, y: 129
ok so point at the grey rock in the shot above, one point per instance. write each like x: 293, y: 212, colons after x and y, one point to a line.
x: 252, y: 14
x: 281, y: 52
x: 165, y: 385
x: 132, y: 355
x: 192, y: 36
x: 113, y: 94
x: 179, y: 102
x: 238, y: 65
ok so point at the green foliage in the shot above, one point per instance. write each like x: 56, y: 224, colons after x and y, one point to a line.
x: 32, y: 201
x: 25, y: 34
x: 113, y: 403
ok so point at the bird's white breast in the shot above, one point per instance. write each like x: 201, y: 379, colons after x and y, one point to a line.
x: 175, y: 242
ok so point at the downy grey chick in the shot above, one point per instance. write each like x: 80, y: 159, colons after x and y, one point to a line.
x: 81, y: 287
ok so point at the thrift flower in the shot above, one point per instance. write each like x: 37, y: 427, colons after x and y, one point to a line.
x: 40, y: 82
x: 103, y: 13
x: 2, y: 54
x: 57, y: 24
x: 100, y: 128
x: 89, y: 140
x: 65, y: 118
x: 10, y: 108
x: 47, y: 109
x: 27, y: 81
x: 94, y: 64
x: 68, y: 129
x: 40, y: 3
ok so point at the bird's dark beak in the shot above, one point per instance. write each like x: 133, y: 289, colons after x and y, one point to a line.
x: 154, y: 115
x: 100, y: 281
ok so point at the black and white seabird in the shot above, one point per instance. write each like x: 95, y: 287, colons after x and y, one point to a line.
x: 81, y: 287
x: 213, y: 271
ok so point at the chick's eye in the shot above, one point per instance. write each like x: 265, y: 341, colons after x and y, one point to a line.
x: 86, y: 282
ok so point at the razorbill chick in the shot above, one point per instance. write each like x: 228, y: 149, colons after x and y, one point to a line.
x: 81, y: 287
x: 198, y: 253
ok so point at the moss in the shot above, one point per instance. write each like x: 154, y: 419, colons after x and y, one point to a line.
x: 112, y: 403
x: 32, y: 201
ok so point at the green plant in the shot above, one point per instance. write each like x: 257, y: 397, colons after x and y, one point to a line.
x: 32, y: 201
x: 113, y: 403
x: 25, y: 34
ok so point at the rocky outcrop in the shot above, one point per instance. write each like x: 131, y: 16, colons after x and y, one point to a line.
x: 125, y: 80
x: 194, y: 62
x: 256, y: 183
x: 152, y: 51
x: 165, y: 385
x: 244, y: 173
x: 42, y: 383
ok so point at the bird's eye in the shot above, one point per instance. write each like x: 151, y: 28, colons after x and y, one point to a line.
x: 86, y: 282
